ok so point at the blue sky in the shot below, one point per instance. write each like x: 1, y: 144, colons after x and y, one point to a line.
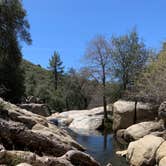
x: 68, y: 25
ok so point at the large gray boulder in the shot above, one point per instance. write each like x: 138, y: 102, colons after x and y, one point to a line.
x: 81, y: 120
x: 54, y: 133
x: 142, y: 152
x: 20, y: 127
x: 12, y: 112
x: 50, y: 141
x: 33, y: 136
x: 123, y: 114
x: 161, y: 154
x: 87, y: 123
x: 40, y: 109
x: 127, y: 113
x: 139, y: 130
x: 22, y: 158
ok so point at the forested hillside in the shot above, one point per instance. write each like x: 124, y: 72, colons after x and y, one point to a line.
x: 115, y: 67
x: 74, y: 92
x: 35, y: 77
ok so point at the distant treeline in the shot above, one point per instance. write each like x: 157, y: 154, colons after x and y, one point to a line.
x: 116, y: 67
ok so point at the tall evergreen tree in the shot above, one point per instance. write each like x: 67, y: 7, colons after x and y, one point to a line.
x: 56, y: 66
x: 13, y: 29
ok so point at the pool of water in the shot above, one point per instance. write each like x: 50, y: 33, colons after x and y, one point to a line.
x: 102, y: 147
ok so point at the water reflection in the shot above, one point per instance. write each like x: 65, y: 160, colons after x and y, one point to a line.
x: 102, y: 146
x: 105, y: 140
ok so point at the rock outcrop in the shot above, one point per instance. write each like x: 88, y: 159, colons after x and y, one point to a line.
x: 22, y: 158
x: 161, y: 154
x: 85, y: 120
x: 40, y: 109
x: 142, y: 152
x: 123, y: 114
x: 10, y: 111
x: 149, y: 150
x: 39, y: 141
x: 127, y: 113
x: 28, y: 138
x: 87, y: 123
x: 142, y: 129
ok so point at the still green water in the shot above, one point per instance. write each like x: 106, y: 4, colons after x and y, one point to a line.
x: 102, y: 147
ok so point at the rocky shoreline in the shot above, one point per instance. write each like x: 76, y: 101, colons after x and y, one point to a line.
x: 26, y: 137
x: 140, y: 125
x: 29, y: 138
x: 146, y: 137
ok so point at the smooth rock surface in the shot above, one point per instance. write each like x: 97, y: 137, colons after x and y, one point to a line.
x: 81, y: 119
x: 87, y: 123
x: 139, y: 130
x: 161, y: 152
x: 162, y: 162
x: 54, y: 133
x: 127, y: 113
x: 142, y: 152
x: 24, y: 164
x: 123, y: 114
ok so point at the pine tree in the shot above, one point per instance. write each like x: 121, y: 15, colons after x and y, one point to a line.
x: 56, y: 66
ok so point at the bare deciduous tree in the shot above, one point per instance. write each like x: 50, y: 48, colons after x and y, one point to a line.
x: 98, y: 58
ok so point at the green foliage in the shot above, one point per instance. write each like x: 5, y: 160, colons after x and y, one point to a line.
x: 129, y: 56
x: 74, y: 91
x: 113, y: 91
x: 151, y: 84
x: 36, y: 79
x: 56, y: 68
x: 78, y: 90
x: 13, y: 28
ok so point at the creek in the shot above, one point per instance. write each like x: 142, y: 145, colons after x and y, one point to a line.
x: 102, y: 146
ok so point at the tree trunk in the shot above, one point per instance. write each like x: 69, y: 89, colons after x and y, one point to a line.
x: 105, y: 107
x: 56, y: 78
x: 135, y: 113
x: 104, y: 97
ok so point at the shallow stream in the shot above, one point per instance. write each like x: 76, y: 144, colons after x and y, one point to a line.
x: 102, y: 147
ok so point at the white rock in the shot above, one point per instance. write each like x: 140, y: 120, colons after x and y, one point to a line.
x: 123, y: 114
x: 139, y: 130
x: 142, y: 152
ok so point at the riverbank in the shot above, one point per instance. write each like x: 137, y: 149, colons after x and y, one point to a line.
x: 29, y: 138
x: 131, y: 121
x: 26, y: 137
